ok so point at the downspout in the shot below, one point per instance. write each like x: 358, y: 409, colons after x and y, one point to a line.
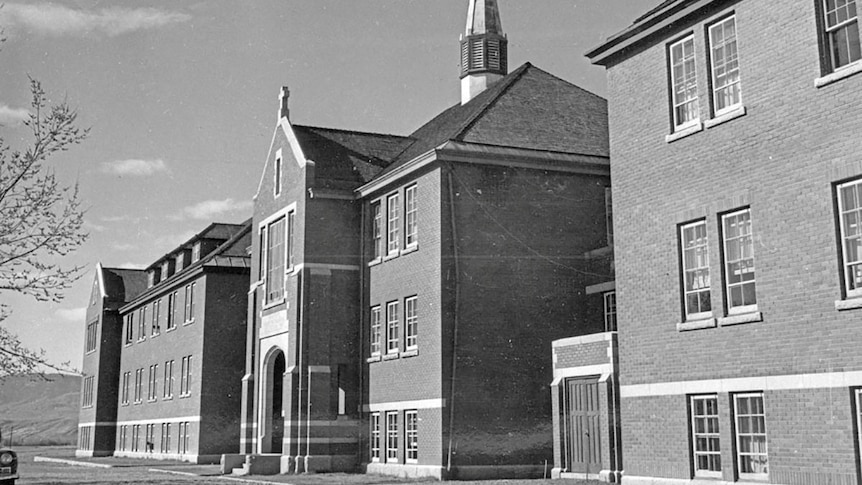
x: 299, y: 323
x: 362, y: 322
x: 451, y: 403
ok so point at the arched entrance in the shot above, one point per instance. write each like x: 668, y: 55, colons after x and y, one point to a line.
x: 273, y: 409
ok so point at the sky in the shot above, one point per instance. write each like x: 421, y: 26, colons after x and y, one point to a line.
x: 182, y: 101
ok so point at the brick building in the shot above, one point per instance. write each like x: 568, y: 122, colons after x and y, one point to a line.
x: 737, y: 205
x: 406, y: 290
x: 169, y: 354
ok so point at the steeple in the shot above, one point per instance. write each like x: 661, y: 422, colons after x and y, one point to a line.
x: 484, y: 49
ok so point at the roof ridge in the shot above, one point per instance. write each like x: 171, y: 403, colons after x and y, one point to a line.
x: 579, y: 88
x: 512, y: 77
x: 342, y: 130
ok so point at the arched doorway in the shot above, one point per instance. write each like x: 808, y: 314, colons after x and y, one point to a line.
x: 273, y: 409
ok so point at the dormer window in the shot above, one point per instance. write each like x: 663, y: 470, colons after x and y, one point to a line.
x: 166, y: 270
x: 179, y: 262
x: 196, y: 252
x: 153, y: 277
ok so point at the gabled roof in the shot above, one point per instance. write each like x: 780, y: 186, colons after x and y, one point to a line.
x: 350, y: 156
x: 530, y: 109
x: 123, y: 284
x: 218, y: 231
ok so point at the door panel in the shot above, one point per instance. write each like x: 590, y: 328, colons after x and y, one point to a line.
x: 585, y: 430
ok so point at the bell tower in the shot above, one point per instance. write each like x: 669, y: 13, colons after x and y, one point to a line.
x: 484, y: 49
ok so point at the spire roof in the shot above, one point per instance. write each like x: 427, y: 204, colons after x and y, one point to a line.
x: 483, y: 17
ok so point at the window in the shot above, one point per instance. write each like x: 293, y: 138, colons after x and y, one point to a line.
x: 87, y: 394
x: 91, y: 336
x: 410, y: 211
x: 376, y: 230
x: 275, y: 261
x: 84, y: 438
x: 684, y: 83
x: 139, y: 385
x: 142, y: 323
x: 375, y: 437
x: 179, y: 261
x: 724, y: 65
x: 610, y: 311
x: 151, y: 437
x: 375, y: 331
x: 411, y: 436
x: 183, y: 438
x: 172, y: 311
x: 392, y: 437
x: 850, y: 220
x: 739, y: 261
x: 411, y: 323
x: 124, y: 436
x: 130, y: 325
x: 196, y: 252
x: 186, y: 376
x: 277, y: 181
x: 168, y: 384
x: 291, y: 237
x: 166, y: 438
x: 841, y: 33
x: 609, y: 215
x: 127, y: 377
x: 157, y: 306
x: 695, y: 269
x: 152, y: 382
x: 393, y: 235
x: 392, y: 327
x: 751, y: 455
x: 705, y: 441
x: 136, y: 437
x: 190, y: 303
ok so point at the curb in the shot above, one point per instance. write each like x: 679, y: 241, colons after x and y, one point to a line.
x: 217, y: 477
x: 71, y: 462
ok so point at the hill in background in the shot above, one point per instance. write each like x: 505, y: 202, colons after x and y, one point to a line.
x: 36, y: 411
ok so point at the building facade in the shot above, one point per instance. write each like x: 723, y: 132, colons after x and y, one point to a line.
x: 736, y: 222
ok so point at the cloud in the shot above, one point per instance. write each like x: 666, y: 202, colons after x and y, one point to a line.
x: 136, y: 167
x: 122, y: 218
x: 122, y: 247
x: 92, y: 226
x: 209, y: 209
x: 12, y: 116
x: 73, y: 315
x: 58, y: 20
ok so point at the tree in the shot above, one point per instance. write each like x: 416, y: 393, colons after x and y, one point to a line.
x: 41, y: 221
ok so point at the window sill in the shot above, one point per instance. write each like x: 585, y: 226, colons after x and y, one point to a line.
x: 752, y: 317
x: 409, y: 249
x: 848, y: 304
x: 155, y: 335
x: 691, y: 130
x: 128, y: 344
x: 838, y: 75
x: 410, y: 353
x: 168, y: 398
x: 737, y: 112
x: 189, y: 322
x: 272, y: 304
x: 375, y: 262
x: 391, y: 356
x: 373, y: 358
x: 391, y: 256
x: 695, y: 324
x: 152, y: 400
x: 171, y: 329
x: 90, y: 352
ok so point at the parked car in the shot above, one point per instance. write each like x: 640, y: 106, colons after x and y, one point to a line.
x: 8, y: 466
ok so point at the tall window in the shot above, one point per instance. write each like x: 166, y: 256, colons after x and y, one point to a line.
x: 190, y: 303
x: 695, y: 269
x: 392, y: 327
x: 130, y: 328
x: 411, y: 436
x: 411, y: 323
x: 275, y: 261
x: 724, y: 64
x: 157, y: 306
x: 277, y: 181
x: 152, y: 382
x: 92, y: 327
x: 392, y: 227
x: 684, y: 83
x: 376, y: 230
x: 375, y: 330
x: 151, y: 436
x: 410, y: 211
x: 87, y: 395
x: 166, y: 438
x: 841, y: 33
x: 196, y: 252
x: 751, y: 455
x: 392, y: 437
x: 124, y: 433
x: 850, y: 209
x: 168, y: 384
x: 186, y: 376
x: 739, y: 261
x: 172, y: 310
x: 610, y: 311
x: 127, y: 376
x: 139, y: 385
x: 136, y: 437
x: 183, y: 438
x: 142, y: 323
x: 375, y: 437
x: 706, y: 445
x: 291, y: 239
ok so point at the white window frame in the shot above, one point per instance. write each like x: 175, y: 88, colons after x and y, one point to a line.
x: 156, y: 328
x: 695, y: 315
x: 377, y: 230
x: 830, y: 30
x: 375, y: 333
x: 714, y: 46
x: 610, y: 307
x: 393, y: 221
x: 392, y: 444
x: 411, y: 436
x: 92, y: 336
x: 168, y: 386
x: 707, y: 434
x: 393, y: 337
x: 411, y: 323
x: 411, y: 221
x: 739, y: 436
x: 676, y: 103
x: 726, y: 241
x: 273, y: 295
x: 852, y: 290
x: 124, y: 397
x: 142, y: 323
x: 277, y: 174
x: 130, y: 328
x: 375, y: 437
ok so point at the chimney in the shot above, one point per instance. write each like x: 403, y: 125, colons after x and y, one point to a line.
x: 283, y: 110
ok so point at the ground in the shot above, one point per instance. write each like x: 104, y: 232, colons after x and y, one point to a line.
x: 170, y: 472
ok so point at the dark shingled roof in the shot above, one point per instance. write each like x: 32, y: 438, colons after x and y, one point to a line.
x: 657, y: 9
x: 529, y: 108
x: 123, y: 284
x: 348, y: 156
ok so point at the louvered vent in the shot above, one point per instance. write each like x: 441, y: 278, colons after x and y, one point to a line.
x: 483, y: 53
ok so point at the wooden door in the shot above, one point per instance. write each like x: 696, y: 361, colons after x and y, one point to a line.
x: 584, y: 428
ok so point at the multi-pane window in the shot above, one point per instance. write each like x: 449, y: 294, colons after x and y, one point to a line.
x: 376, y: 230
x: 142, y: 323
x: 130, y: 328
x: 841, y: 31
x: 151, y: 437
x: 277, y: 181
x: 291, y: 239
x: 410, y: 211
x: 127, y: 377
x: 91, y: 336
x: 139, y: 385
x: 392, y: 437
x: 739, y: 261
x: 189, y: 313
x: 124, y: 437
x: 392, y: 224
x: 706, y: 445
x: 87, y: 395
x: 157, y: 306
x: 183, y: 438
x: 166, y: 438
x: 172, y: 310
x: 610, y: 299
x: 695, y: 269
x: 392, y: 327
x: 751, y: 455
x: 168, y: 384
x: 850, y: 209
x: 275, y: 261
x: 152, y: 382
x: 196, y: 252
x: 411, y: 323
x: 375, y: 437
x: 684, y: 83
x: 724, y: 64
x: 375, y: 330
x: 411, y: 437
x: 186, y: 376
x: 136, y: 437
